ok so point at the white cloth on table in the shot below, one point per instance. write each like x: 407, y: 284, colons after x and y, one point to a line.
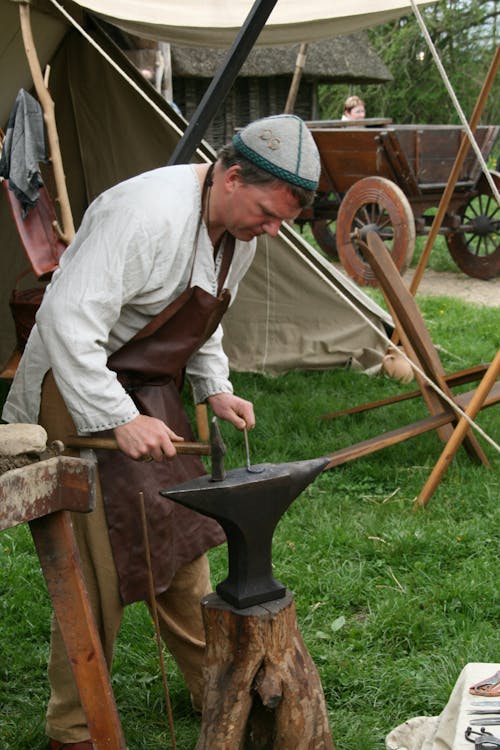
x: 446, y: 731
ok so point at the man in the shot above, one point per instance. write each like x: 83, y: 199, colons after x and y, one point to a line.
x: 156, y: 256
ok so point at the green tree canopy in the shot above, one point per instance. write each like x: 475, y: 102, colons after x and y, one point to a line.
x: 465, y: 34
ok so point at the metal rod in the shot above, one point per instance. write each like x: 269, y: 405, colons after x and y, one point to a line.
x: 154, y: 614
x: 222, y: 81
x: 250, y: 468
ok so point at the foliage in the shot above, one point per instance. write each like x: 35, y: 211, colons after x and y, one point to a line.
x: 391, y: 603
x: 465, y: 34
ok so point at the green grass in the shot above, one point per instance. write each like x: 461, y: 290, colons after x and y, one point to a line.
x: 391, y: 603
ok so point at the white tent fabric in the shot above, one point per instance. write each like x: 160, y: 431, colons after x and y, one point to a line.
x: 295, y: 310
x: 215, y: 23
x: 107, y: 133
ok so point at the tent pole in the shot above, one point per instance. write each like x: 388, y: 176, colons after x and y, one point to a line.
x: 297, y: 75
x: 68, y: 229
x: 222, y: 81
x: 455, y: 173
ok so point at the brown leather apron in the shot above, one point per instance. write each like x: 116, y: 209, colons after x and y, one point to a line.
x: 150, y: 366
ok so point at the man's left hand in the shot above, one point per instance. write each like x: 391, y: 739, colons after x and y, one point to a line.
x: 233, y: 409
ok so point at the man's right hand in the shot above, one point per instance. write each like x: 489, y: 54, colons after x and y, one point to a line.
x: 146, y: 437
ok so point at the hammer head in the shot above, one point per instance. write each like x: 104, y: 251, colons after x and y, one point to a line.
x: 217, y: 452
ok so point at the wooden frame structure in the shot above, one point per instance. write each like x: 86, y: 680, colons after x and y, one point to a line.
x: 419, y: 347
x: 41, y: 494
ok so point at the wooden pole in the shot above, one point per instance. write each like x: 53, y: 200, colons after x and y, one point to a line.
x: 60, y: 562
x: 459, y: 433
x: 454, y: 174
x: 68, y: 230
x: 297, y: 75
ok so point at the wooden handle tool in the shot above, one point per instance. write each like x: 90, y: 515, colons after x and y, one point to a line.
x: 97, y: 443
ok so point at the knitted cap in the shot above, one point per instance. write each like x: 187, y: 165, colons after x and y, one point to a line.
x: 283, y: 146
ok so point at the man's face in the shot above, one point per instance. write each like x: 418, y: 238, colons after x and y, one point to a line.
x: 252, y: 210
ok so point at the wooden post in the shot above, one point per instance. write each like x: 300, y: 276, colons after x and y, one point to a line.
x: 68, y: 230
x: 455, y: 173
x: 262, y: 689
x: 41, y: 494
x: 459, y: 433
x: 60, y: 562
x: 297, y: 75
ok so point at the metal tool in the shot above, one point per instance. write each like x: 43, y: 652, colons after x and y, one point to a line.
x: 490, y: 711
x: 483, y: 740
x: 250, y: 468
x: 248, y: 507
x: 485, y: 721
x: 216, y: 449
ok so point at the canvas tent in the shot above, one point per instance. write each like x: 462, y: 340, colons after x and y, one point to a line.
x: 108, y: 132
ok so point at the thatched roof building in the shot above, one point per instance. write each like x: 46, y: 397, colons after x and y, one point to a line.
x: 263, y: 83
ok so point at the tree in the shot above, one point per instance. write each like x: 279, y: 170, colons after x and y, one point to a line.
x: 465, y: 34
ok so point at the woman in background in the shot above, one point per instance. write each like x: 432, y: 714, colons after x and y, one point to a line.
x: 354, y: 109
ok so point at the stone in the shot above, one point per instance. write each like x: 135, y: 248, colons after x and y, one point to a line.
x: 22, y: 438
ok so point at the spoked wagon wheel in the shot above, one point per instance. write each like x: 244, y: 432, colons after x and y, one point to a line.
x: 374, y: 204
x: 475, y: 245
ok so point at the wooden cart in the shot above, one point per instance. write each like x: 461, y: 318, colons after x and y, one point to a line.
x: 385, y: 177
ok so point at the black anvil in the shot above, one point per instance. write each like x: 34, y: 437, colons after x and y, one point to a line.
x: 248, y: 506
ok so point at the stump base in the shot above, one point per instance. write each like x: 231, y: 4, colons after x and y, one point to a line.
x: 262, y: 689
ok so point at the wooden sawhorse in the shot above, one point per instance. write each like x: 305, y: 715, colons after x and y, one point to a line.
x: 41, y: 494
x: 419, y: 347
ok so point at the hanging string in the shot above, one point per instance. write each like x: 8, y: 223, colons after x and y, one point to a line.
x: 455, y: 101
x: 268, y: 302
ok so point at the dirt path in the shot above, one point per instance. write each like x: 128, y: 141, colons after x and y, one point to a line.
x: 449, y: 284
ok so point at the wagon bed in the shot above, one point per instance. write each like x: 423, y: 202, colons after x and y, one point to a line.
x: 385, y: 175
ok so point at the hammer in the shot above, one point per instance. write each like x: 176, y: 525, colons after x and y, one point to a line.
x: 216, y: 448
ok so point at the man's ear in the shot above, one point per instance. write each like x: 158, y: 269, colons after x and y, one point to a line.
x: 232, y: 177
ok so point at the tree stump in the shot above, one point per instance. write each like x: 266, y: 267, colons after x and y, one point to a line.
x: 262, y: 689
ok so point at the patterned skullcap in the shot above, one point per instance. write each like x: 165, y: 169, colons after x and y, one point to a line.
x: 283, y: 146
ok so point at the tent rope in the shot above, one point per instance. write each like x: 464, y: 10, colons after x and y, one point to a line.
x: 412, y: 364
x: 454, y: 99
x: 122, y: 73
x: 268, y: 303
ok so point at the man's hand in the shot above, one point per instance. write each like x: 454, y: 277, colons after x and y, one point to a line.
x: 233, y: 409
x: 146, y: 436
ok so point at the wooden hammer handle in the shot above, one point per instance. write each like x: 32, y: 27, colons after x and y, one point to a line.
x: 96, y: 443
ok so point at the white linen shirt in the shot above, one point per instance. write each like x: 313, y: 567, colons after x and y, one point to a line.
x: 133, y: 254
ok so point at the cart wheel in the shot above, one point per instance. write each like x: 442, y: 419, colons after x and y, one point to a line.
x: 325, y: 237
x: 374, y: 204
x: 475, y: 246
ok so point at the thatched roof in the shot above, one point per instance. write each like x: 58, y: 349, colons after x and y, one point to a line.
x: 342, y: 59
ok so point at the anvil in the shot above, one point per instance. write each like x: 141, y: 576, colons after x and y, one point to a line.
x: 248, y: 506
